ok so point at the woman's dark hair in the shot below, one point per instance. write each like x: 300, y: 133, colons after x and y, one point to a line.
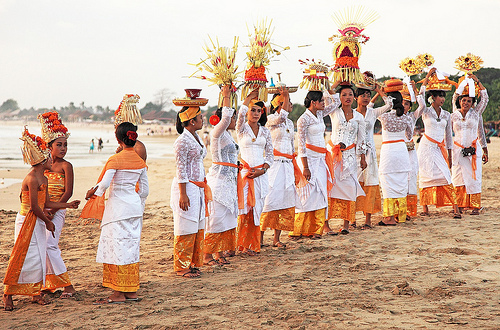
x: 397, y: 103
x: 312, y: 96
x: 218, y: 113
x: 342, y: 87
x: 411, y: 103
x: 121, y: 133
x: 263, y: 115
x: 457, y: 102
x: 179, y: 125
x: 361, y: 91
x: 434, y: 93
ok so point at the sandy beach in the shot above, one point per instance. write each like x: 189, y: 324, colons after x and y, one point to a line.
x: 429, y: 273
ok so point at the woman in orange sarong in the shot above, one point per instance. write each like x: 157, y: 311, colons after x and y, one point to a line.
x: 189, y: 193
x: 121, y: 225
x: 26, y: 271
x: 254, y: 140
x: 220, y: 229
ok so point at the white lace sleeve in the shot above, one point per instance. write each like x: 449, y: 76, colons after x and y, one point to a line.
x: 481, y: 106
x: 240, y: 122
x: 105, y: 182
x: 332, y: 102
x: 302, y: 133
x: 361, y: 138
x: 480, y: 133
x: 409, y: 128
x: 386, y: 107
x: 143, y: 185
x: 454, y: 102
x: 449, y: 135
x: 421, y: 106
x: 276, y: 119
x: 268, y: 149
x: 181, y: 161
x: 223, y: 124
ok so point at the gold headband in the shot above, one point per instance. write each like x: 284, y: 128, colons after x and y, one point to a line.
x: 190, y: 113
x: 277, y: 100
x: 252, y: 103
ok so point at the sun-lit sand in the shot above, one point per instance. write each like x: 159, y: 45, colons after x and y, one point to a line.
x: 433, y: 272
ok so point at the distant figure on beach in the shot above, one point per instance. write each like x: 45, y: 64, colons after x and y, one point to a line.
x: 99, y: 145
x: 91, y: 150
x: 206, y: 139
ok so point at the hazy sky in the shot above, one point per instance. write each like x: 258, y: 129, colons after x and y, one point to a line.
x: 61, y: 51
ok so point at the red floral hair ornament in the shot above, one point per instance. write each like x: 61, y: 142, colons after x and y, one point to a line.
x: 132, y: 135
x: 214, y: 120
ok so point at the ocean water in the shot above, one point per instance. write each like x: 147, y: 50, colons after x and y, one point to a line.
x: 78, y: 145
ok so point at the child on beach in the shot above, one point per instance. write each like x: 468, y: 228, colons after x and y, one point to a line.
x: 60, y: 188
x: 26, y: 271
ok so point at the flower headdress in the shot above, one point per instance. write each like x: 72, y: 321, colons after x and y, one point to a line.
x: 469, y: 63
x: 315, y: 76
x: 52, y: 126
x: 436, y: 84
x: 346, y: 51
x: 439, y: 81
x: 34, y: 148
x: 127, y: 110
x: 412, y: 66
x: 258, y: 58
x: 221, y: 64
x: 426, y: 59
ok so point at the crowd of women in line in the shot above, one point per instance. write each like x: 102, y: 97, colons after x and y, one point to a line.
x: 259, y: 183
x: 272, y: 186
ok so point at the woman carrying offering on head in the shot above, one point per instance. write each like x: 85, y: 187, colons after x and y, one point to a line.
x: 256, y: 146
x: 467, y: 167
x: 220, y: 229
x: 347, y: 141
x: 121, y: 216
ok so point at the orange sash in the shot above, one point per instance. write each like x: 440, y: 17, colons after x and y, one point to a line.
x: 441, y: 146
x: 20, y: 250
x: 393, y: 141
x: 22, y: 243
x: 251, y: 187
x: 207, y: 192
x: 127, y: 159
x: 239, y: 183
x: 300, y: 180
x: 337, y: 154
x: 329, y: 163
x: 474, y: 157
